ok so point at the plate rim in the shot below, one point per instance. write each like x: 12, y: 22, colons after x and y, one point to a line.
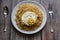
x: 24, y: 31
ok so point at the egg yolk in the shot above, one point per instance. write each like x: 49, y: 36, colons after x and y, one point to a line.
x: 31, y: 21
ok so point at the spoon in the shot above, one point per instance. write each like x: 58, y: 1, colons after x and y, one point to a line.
x: 5, y: 10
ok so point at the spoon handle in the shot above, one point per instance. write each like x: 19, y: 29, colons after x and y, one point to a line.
x: 5, y: 23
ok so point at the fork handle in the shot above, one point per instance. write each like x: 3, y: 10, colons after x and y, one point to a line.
x: 51, y: 14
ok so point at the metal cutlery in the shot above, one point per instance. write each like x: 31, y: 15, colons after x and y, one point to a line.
x: 50, y: 11
x: 5, y: 10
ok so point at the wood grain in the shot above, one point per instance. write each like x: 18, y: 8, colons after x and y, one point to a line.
x: 1, y: 23
x: 44, y: 34
x: 57, y: 21
x: 5, y: 35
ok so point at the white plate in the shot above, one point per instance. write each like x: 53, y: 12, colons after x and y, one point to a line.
x: 29, y: 32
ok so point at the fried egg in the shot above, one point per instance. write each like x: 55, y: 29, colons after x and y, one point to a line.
x: 29, y: 18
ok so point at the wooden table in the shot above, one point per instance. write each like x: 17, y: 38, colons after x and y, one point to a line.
x: 44, y: 34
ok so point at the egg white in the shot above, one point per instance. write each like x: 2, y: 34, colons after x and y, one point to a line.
x: 27, y: 15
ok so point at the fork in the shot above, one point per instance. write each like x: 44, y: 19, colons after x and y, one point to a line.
x: 50, y: 11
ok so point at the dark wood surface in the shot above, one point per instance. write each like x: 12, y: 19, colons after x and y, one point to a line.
x: 44, y: 34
